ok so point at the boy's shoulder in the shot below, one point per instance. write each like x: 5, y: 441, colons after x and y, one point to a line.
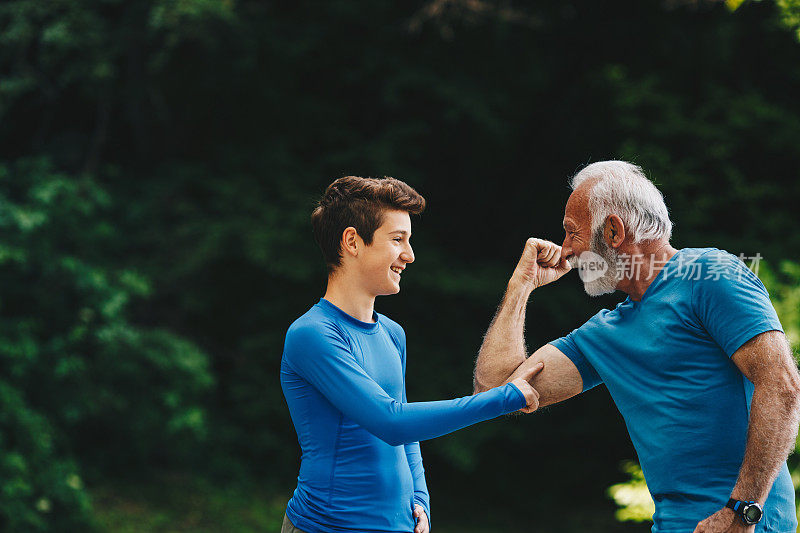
x: 393, y: 327
x: 389, y: 323
x: 315, y: 320
x: 395, y: 331
x: 318, y: 321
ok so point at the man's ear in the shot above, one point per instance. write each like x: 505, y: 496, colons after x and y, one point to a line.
x: 351, y: 242
x: 614, y: 231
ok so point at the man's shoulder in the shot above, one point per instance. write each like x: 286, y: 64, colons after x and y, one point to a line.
x: 714, y: 261
x: 596, y: 324
x: 706, y: 255
x: 712, y: 266
x: 692, y: 269
x: 603, y: 316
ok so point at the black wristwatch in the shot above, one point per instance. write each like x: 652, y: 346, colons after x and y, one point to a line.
x: 749, y: 512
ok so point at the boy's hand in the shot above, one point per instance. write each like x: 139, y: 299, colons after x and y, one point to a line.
x: 522, y: 382
x: 422, y: 520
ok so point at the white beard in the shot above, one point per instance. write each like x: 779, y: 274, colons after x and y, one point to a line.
x: 607, y: 283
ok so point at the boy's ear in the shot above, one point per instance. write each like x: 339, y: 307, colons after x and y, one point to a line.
x: 351, y: 242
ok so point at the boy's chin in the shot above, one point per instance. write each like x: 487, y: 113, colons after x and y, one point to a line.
x: 388, y: 291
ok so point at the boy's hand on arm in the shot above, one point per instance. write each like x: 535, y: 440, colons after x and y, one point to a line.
x: 422, y: 520
x: 559, y: 378
x: 522, y: 382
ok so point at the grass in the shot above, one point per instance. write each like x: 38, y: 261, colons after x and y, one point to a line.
x: 178, y: 503
x: 182, y: 503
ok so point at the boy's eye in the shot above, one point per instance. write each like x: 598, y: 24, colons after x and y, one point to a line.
x: 398, y: 239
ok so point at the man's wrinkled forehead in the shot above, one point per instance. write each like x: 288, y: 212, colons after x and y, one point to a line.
x: 577, y: 209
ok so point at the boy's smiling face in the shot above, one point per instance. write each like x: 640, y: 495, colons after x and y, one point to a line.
x: 381, y: 263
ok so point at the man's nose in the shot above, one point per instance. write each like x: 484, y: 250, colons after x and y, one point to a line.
x: 566, y: 248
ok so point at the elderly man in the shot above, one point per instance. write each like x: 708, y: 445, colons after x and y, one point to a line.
x: 694, y: 358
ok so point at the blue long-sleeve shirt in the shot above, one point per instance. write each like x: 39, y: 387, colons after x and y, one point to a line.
x: 361, y: 467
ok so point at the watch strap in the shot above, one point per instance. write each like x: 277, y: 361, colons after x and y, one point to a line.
x: 739, y: 506
x: 736, y: 505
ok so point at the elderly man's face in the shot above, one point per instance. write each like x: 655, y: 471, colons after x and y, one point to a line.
x: 577, y: 224
x: 588, y: 251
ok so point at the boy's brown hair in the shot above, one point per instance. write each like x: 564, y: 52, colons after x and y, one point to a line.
x: 360, y: 203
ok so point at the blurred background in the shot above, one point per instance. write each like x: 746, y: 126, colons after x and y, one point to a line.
x: 158, y: 164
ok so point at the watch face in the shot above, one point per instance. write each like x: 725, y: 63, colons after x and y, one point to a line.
x: 752, y: 513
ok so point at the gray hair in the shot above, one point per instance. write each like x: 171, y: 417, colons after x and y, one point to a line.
x: 622, y: 189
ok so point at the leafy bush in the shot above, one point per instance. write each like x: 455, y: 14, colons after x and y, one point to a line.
x: 79, y: 377
x: 39, y: 489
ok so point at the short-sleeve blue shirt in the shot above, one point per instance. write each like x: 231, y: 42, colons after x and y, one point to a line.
x: 666, y: 363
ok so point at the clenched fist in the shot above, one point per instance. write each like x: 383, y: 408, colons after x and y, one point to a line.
x: 541, y: 263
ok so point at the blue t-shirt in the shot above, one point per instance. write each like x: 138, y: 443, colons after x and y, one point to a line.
x: 361, y: 466
x: 666, y: 362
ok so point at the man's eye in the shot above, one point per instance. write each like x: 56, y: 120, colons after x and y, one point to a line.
x: 398, y: 239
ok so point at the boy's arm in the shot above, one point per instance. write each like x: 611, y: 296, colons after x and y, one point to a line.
x: 421, y: 496
x: 414, y: 458
x: 323, y: 358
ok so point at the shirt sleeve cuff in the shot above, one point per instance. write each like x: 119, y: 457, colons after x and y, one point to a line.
x: 521, y: 396
x: 425, y: 505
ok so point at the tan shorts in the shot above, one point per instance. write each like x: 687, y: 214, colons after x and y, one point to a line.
x: 288, y: 527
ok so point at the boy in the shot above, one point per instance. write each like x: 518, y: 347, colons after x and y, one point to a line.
x: 343, y: 375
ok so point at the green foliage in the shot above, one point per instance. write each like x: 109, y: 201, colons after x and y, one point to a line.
x: 39, y: 489
x: 789, y: 12
x: 79, y: 376
x: 160, y: 160
x: 632, y: 496
x: 790, y: 15
x: 66, y: 337
x: 783, y: 284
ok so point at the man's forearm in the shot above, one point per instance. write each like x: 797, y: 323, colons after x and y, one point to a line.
x: 503, y: 348
x: 774, y: 416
